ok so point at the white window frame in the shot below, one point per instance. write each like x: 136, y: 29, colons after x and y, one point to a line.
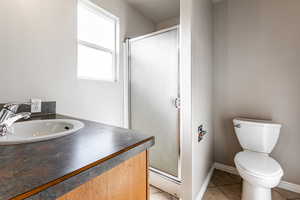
x: 115, y: 54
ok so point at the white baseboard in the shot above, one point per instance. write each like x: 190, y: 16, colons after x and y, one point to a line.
x: 283, y: 184
x: 205, y: 183
x: 226, y: 168
x: 289, y: 186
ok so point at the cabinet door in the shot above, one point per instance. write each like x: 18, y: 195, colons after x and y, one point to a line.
x: 127, y: 181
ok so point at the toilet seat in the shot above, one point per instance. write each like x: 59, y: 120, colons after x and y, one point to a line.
x: 258, y: 169
x: 258, y: 165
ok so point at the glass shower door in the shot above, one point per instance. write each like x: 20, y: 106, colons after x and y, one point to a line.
x: 154, y: 96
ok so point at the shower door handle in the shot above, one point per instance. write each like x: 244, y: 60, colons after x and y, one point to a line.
x: 177, y: 103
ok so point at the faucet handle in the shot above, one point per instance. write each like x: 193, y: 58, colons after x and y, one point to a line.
x: 3, y: 129
x: 13, y: 107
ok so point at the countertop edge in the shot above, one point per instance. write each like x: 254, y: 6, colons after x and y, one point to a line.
x: 68, y: 182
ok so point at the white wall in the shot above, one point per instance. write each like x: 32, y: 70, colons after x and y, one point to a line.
x: 38, y: 57
x: 257, y: 58
x: 201, y: 91
x: 185, y: 97
x: 196, y: 80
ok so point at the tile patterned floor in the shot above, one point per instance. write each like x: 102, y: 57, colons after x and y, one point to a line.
x: 225, y: 186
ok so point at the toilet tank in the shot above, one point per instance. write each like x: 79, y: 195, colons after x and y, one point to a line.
x: 257, y: 135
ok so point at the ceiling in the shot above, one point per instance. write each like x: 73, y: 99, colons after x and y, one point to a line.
x: 157, y: 10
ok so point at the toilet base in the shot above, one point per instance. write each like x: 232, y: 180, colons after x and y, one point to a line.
x: 252, y: 192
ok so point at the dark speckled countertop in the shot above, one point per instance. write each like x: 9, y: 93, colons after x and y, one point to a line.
x: 26, y: 167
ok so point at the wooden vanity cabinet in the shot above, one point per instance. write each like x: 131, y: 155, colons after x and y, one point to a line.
x: 127, y: 181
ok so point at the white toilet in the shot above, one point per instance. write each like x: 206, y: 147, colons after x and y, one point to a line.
x: 259, y: 171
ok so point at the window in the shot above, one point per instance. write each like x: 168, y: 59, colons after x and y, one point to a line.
x: 97, y: 43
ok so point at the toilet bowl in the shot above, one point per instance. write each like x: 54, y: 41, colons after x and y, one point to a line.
x: 259, y: 171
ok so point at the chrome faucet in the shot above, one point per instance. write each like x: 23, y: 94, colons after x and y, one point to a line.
x: 9, y: 115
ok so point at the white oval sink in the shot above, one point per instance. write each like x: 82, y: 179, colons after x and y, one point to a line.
x: 40, y: 130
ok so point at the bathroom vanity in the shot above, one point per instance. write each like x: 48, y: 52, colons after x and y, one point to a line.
x: 96, y: 162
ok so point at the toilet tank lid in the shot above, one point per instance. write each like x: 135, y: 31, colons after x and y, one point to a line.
x: 257, y: 122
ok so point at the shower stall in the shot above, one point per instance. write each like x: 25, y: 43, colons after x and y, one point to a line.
x: 152, y: 100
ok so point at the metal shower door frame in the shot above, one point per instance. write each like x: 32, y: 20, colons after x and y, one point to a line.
x: 127, y: 96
